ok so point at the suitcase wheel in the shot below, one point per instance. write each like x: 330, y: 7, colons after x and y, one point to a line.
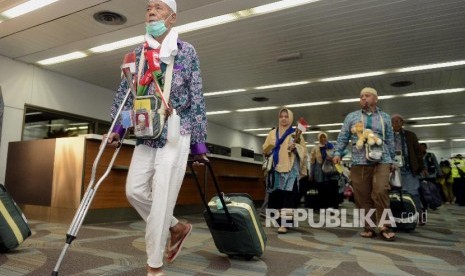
x: 246, y: 257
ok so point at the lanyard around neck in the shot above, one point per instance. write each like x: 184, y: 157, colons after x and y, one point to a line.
x: 165, y: 93
x: 381, y: 120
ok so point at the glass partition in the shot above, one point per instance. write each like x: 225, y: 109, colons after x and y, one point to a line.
x: 42, y: 123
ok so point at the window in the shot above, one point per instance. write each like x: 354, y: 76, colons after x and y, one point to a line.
x: 42, y: 123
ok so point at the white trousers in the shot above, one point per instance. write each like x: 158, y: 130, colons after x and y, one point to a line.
x: 154, y: 179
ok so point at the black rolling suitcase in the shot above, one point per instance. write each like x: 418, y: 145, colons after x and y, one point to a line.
x: 232, y: 221
x: 404, y: 210
x: 13, y: 224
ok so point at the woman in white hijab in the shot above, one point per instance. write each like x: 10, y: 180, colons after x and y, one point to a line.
x: 289, y: 165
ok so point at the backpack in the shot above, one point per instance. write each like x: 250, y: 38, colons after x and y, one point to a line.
x: 430, y: 194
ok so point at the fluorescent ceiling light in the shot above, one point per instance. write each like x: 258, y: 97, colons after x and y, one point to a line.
x: 258, y: 129
x: 218, y: 112
x: 354, y: 76
x: 309, y: 104
x: 118, y: 44
x: 224, y: 92
x: 459, y: 140
x: 280, y: 5
x: 431, y: 66
x: 282, y: 85
x: 209, y: 22
x: 257, y: 109
x: 201, y: 24
x: 434, y: 92
x: 327, y: 125
x: 33, y: 113
x: 263, y: 134
x: 349, y: 100
x: 432, y: 125
x: 312, y: 132
x: 432, y: 141
x: 386, y: 97
x: 63, y: 58
x: 431, y: 117
x: 26, y: 8
x: 333, y: 130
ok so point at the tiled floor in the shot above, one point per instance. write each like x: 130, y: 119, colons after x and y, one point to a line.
x: 118, y: 249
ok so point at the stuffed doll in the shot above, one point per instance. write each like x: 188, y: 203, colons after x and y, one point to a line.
x: 358, y: 130
x: 372, y: 138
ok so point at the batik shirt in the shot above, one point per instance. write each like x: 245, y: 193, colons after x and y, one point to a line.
x: 371, y: 121
x: 186, y: 97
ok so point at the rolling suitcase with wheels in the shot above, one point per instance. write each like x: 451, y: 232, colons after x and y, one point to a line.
x: 232, y: 221
x: 13, y: 224
x: 404, y: 210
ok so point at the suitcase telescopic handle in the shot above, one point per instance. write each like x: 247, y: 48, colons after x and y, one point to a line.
x: 190, y: 163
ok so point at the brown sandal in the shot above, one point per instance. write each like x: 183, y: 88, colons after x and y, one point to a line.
x: 368, y: 233
x: 384, y: 233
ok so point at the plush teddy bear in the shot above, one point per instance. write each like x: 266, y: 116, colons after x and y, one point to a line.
x: 358, y: 130
x: 372, y: 138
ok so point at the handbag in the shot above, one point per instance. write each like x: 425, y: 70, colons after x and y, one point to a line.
x: 149, y: 110
x: 328, y: 167
x: 267, y: 164
x: 374, y: 153
x: 394, y: 178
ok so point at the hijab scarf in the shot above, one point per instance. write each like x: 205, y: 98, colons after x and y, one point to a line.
x: 286, y: 133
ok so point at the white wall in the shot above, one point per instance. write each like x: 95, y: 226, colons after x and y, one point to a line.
x: 27, y: 84
x: 223, y: 136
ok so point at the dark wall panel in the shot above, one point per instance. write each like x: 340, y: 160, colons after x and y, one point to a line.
x: 30, y: 184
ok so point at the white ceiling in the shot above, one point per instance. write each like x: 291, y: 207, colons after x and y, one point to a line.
x: 334, y: 37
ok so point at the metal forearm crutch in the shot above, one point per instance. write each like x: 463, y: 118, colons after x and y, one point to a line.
x: 92, y: 188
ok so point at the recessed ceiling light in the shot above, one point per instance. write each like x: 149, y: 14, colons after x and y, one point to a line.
x: 109, y: 18
x: 260, y: 99
x: 404, y: 83
x: 289, y: 57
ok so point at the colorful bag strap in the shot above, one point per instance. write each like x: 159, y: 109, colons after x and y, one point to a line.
x: 165, y: 93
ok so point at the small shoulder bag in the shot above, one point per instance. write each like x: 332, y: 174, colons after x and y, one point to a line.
x: 374, y: 153
x: 149, y: 110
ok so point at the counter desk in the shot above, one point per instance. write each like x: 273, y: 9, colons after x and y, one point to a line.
x: 48, y: 178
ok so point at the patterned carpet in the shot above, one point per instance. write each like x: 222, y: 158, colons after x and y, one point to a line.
x: 118, y: 249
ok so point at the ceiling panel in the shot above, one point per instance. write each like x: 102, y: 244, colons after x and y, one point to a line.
x: 334, y: 38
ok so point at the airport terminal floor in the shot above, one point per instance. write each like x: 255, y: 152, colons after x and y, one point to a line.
x: 117, y: 248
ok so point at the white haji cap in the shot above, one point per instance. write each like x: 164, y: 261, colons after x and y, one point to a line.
x: 170, y: 3
x: 369, y: 90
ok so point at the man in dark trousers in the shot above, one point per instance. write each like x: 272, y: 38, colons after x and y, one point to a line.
x: 410, y: 162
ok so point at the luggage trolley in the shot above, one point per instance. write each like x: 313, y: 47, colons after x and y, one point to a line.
x: 127, y: 68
